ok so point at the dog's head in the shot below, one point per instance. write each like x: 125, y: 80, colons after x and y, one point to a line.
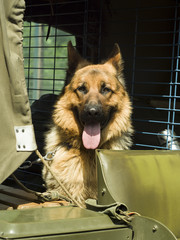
x: 94, y: 94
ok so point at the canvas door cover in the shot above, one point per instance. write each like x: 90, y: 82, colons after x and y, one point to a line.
x: 17, y: 139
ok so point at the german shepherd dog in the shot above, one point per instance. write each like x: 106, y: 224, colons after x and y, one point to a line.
x: 93, y: 111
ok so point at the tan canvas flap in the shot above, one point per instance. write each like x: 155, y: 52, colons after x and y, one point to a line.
x: 15, y: 117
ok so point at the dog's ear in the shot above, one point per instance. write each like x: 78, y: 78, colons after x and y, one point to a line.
x: 115, y: 58
x: 75, y: 62
x: 73, y: 57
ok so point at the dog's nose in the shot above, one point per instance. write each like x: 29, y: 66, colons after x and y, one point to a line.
x: 93, y: 111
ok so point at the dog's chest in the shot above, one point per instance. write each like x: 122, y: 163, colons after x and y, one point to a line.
x: 75, y: 167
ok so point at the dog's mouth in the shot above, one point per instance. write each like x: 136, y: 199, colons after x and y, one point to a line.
x: 92, y: 127
x: 91, y: 135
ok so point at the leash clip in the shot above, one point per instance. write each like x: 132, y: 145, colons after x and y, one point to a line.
x: 49, y: 156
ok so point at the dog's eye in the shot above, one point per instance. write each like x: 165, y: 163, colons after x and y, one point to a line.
x: 105, y: 90
x: 82, y: 89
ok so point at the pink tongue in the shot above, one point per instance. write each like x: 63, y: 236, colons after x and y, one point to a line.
x: 91, y: 136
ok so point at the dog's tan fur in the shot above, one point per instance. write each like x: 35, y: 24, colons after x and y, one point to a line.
x: 73, y: 164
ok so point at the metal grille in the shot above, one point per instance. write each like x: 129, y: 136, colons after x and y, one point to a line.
x: 45, y: 60
x: 155, y: 79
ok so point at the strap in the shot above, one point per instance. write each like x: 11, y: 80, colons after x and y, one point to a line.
x: 57, y: 180
x: 117, y: 211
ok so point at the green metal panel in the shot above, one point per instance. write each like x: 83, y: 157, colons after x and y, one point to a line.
x: 146, y: 181
x: 115, y: 234
x: 74, y: 223
x: 146, y: 228
x: 53, y: 221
